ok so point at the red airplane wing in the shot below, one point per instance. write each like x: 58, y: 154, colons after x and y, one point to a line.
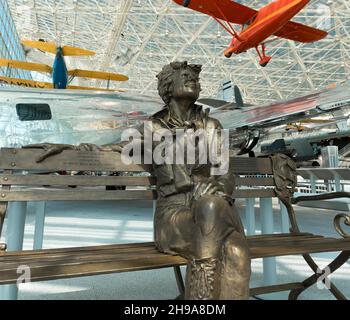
x: 300, y: 32
x: 226, y: 10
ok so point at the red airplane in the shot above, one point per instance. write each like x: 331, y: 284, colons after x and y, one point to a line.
x: 257, y: 26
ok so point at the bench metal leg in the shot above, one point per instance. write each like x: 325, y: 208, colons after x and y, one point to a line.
x: 313, y: 182
x: 250, y: 215
x: 14, y: 238
x: 269, y: 264
x: 39, y: 224
x: 284, y: 218
x: 321, y: 275
x: 179, y: 281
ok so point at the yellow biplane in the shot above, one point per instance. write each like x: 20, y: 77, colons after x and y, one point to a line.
x: 61, y: 76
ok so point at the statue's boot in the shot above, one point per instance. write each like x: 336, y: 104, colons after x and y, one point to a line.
x: 201, y: 279
x: 234, y: 268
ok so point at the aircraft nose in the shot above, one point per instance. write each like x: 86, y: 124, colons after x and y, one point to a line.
x: 228, y: 52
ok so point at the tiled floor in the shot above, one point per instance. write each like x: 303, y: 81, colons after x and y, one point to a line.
x: 76, y: 224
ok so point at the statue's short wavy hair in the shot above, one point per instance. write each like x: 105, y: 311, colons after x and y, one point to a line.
x: 166, y: 77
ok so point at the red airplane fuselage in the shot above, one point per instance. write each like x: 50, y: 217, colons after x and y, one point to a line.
x: 265, y: 23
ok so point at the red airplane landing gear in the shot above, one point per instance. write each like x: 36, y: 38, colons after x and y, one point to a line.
x: 264, y: 60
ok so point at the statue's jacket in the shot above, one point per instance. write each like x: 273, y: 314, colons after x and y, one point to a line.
x: 176, y: 183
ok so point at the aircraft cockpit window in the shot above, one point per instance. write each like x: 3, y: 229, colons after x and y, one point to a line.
x: 33, y: 111
x: 249, y: 22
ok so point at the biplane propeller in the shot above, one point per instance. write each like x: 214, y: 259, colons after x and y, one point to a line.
x: 257, y: 26
x: 61, y: 76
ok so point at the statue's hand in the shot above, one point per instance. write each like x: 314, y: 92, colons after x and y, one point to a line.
x: 50, y: 149
x: 88, y: 147
x: 208, y: 187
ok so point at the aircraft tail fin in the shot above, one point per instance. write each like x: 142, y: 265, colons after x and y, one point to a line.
x: 238, y: 97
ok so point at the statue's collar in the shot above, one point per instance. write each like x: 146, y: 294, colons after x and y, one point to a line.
x: 168, y: 117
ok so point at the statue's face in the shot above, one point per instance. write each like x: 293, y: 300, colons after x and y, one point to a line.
x: 185, y: 85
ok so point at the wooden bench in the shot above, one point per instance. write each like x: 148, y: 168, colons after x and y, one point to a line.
x: 22, y: 179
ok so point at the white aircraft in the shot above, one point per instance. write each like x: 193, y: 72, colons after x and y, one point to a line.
x: 32, y: 115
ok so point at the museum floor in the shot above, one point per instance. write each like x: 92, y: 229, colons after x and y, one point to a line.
x: 78, y: 224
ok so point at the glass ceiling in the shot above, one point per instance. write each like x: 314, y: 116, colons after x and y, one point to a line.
x: 137, y: 37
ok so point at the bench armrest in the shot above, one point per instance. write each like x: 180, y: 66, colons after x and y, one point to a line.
x: 322, y: 196
x: 346, y: 220
x: 338, y: 218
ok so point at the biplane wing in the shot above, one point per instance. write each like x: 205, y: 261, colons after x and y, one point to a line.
x: 25, y: 83
x: 51, y: 47
x: 47, y: 85
x: 25, y: 65
x: 41, y: 45
x: 224, y: 9
x: 300, y: 32
x: 74, y: 51
x: 97, y: 75
x: 93, y: 88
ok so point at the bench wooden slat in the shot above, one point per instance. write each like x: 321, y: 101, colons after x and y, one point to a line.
x: 268, y: 240
x: 276, y: 236
x: 13, y: 255
x: 253, y: 181
x: 72, y: 250
x: 68, y: 271
x: 144, y: 256
x: 71, y: 160
x: 116, y: 254
x: 76, y: 259
x: 271, y: 249
x: 81, y: 254
x: 77, y: 195
x: 254, y: 193
x: 251, y: 165
x: 65, y: 180
x: 68, y: 160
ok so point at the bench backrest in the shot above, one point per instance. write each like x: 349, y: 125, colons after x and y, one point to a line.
x: 254, y: 177
x: 24, y: 179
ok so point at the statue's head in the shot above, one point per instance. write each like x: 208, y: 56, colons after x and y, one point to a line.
x: 179, y: 80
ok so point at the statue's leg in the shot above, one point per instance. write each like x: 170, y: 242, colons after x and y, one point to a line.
x: 216, y: 226
x: 234, y: 268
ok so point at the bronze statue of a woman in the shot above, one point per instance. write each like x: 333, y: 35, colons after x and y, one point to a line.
x: 195, y: 217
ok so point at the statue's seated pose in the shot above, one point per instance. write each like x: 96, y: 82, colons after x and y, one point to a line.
x: 194, y: 217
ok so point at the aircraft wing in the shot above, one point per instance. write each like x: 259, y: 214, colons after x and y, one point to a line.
x: 300, y: 32
x: 226, y: 10
x: 25, y: 65
x: 25, y: 83
x: 215, y: 103
x: 74, y: 51
x: 283, y: 112
x: 93, y: 88
x: 41, y: 45
x: 97, y: 75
